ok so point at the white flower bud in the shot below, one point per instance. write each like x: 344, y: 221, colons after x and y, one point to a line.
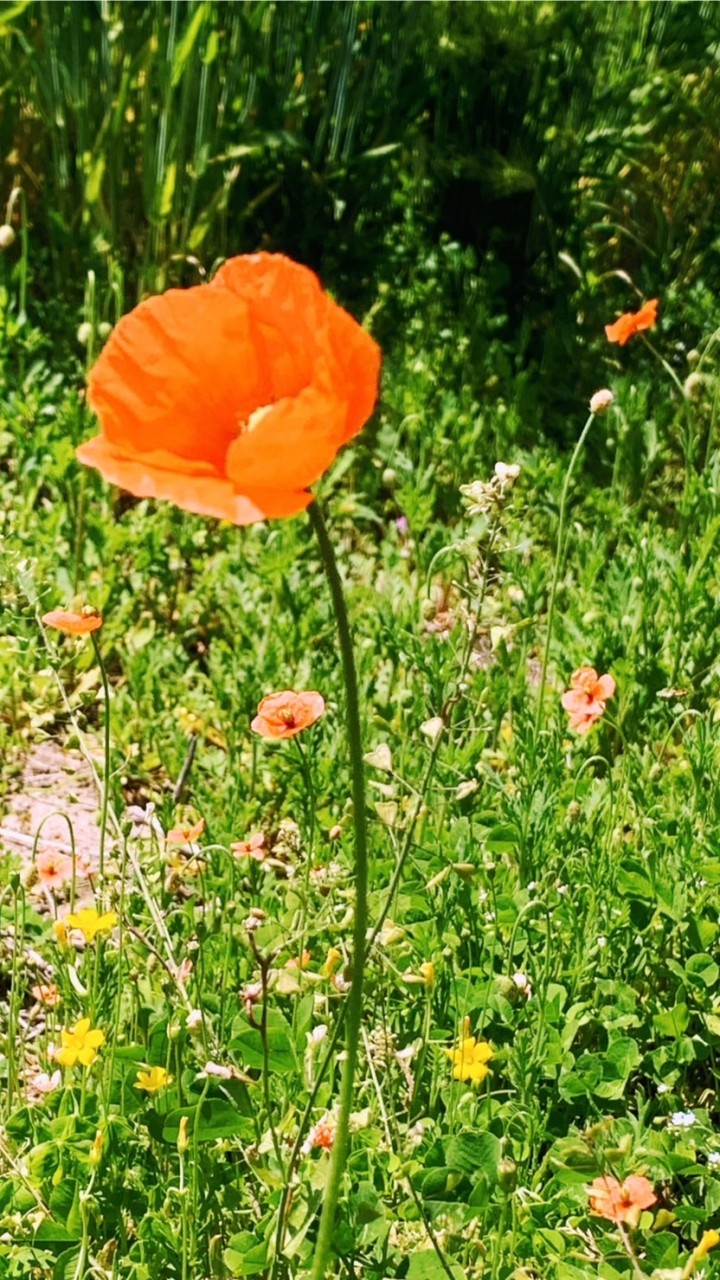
x: 601, y: 401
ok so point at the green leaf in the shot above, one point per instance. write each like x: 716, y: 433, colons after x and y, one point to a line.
x: 703, y: 968
x: 426, y: 1265
x: 474, y: 1153
x: 673, y: 1022
x: 186, y: 45
x: 247, y: 1041
x: 634, y: 883
x: 245, y: 1254
x: 66, y: 1266
x: 168, y: 191
x: 216, y: 1118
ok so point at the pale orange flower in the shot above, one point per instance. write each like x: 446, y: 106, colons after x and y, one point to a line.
x: 621, y: 1201
x: 632, y: 322
x: 253, y: 847
x: 53, y: 868
x: 73, y: 624
x: 46, y: 993
x: 186, y: 834
x: 321, y: 1135
x: 282, y: 715
x: 585, y: 699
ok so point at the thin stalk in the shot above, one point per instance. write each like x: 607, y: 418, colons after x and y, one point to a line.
x: 106, y: 763
x: 354, y: 1001
x: 556, y: 573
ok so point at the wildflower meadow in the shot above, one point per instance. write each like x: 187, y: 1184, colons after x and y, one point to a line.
x: 360, y: 657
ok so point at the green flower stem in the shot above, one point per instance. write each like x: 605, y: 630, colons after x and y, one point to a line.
x: 556, y: 574
x: 354, y: 999
x: 106, y: 765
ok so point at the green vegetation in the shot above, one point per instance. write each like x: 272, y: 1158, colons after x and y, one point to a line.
x: 485, y: 186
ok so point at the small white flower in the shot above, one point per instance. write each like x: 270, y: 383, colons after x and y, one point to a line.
x: 507, y: 472
x: 522, y: 982
x: 432, y: 728
x: 193, y: 1022
x: 601, y: 401
x: 663, y: 1088
x: 416, y: 1133
x: 713, y: 1158
x: 317, y: 1035
x: 683, y: 1119
x: 602, y: 941
x: 218, y: 1071
x: 466, y: 788
x: 42, y: 1083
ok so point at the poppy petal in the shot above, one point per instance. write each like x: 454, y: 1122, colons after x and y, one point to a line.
x: 179, y: 373
x: 197, y: 491
x: 297, y: 320
x: 301, y: 435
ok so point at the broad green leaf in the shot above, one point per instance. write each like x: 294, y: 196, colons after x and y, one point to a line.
x: 426, y: 1265
x: 216, y: 1118
x: 474, y: 1153
x: 673, y: 1022
x: 246, y: 1039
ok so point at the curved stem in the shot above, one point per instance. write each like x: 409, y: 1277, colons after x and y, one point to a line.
x: 354, y: 1000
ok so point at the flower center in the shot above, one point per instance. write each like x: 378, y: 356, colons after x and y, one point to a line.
x: 254, y: 419
x: 287, y: 717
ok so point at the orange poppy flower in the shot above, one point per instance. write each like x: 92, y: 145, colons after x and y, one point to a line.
x: 230, y: 399
x: 73, y: 624
x: 282, y: 715
x: 621, y: 1201
x: 633, y: 322
x: 585, y: 700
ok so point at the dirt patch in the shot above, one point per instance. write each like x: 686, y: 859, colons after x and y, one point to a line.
x: 56, y: 787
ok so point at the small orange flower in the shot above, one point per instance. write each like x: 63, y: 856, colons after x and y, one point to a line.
x: 53, y: 868
x: 282, y: 715
x: 633, y: 322
x: 253, y: 847
x: 585, y: 700
x: 73, y: 624
x: 47, y: 993
x: 621, y: 1201
x: 321, y: 1135
x: 186, y: 834
x: 230, y: 399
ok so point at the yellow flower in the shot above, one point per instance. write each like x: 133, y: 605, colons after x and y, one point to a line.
x: 60, y: 929
x: 90, y: 922
x: 153, y: 1080
x: 182, y: 1138
x: 427, y: 973
x: 80, y: 1045
x: 708, y: 1241
x: 331, y: 963
x: 470, y: 1059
